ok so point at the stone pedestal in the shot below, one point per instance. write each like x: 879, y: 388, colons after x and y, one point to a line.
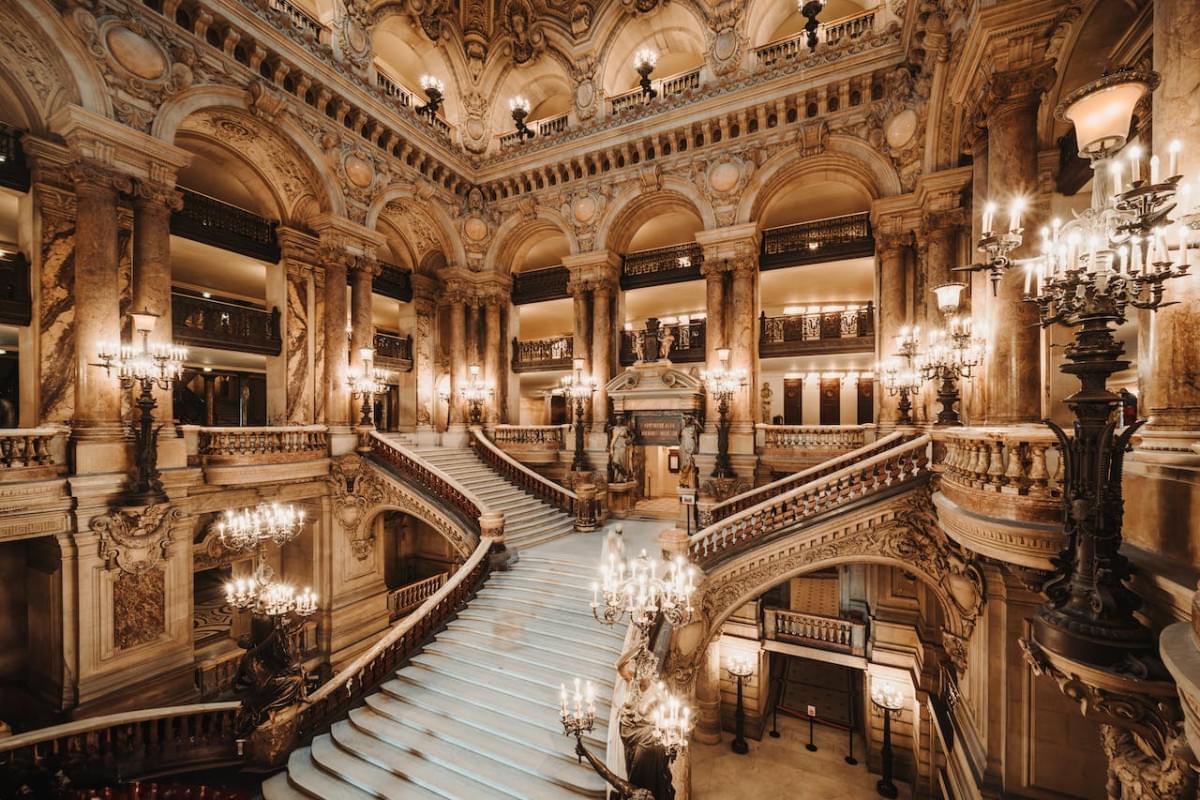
x: 622, y: 497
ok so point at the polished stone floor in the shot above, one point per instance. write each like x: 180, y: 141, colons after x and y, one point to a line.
x: 781, y: 769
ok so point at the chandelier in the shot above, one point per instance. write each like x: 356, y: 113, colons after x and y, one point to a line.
x: 578, y: 387
x: 434, y: 89
x: 475, y: 392
x: 367, y: 382
x: 520, y: 107
x: 644, y: 587
x: 670, y: 718
x: 722, y: 383
x: 266, y: 597
x: 953, y: 352
x: 249, y: 528
x: 253, y: 529
x: 644, y: 61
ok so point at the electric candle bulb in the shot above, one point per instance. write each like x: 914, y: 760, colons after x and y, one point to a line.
x: 1135, y: 163
x: 1173, y: 157
x: 1153, y: 169
x: 1114, y: 169
x: 989, y: 210
x: 1014, y: 219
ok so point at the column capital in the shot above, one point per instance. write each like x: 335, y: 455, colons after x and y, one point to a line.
x: 733, y: 243
x: 100, y: 140
x: 424, y: 288
x: 90, y: 175
x: 148, y: 193
x: 348, y: 234
x: 592, y: 269
x: 298, y: 246
x: 888, y: 245
x: 1015, y: 89
x: 364, y: 265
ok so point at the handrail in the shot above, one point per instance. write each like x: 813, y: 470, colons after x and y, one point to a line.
x: 26, y: 452
x: 763, y: 493
x: 404, y: 599
x: 413, y: 467
x: 1017, y: 461
x: 792, y: 436
x: 517, y: 473
x: 229, y: 445
x: 825, y: 493
x: 364, y: 673
x: 545, y: 437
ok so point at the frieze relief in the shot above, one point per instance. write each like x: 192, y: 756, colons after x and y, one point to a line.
x: 135, y: 541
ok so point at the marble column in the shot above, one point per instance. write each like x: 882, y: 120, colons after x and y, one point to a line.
x: 292, y: 376
x: 974, y: 404
x: 940, y: 232
x: 361, y: 330
x: 581, y: 297
x: 425, y: 315
x: 97, y: 299
x: 491, y: 354
x: 890, y: 249
x: 743, y: 340
x: 152, y: 207
x: 1013, y: 366
x: 337, y: 343
x: 708, y: 695
x: 602, y: 349
x: 457, y: 303
x: 714, y: 327
x: 474, y: 343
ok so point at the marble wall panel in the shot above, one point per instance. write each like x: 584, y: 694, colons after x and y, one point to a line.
x: 56, y: 308
x: 299, y: 372
x: 318, y: 349
x: 139, y: 608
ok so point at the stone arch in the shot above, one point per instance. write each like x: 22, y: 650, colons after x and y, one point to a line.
x: 513, y: 236
x: 846, y: 159
x: 427, y: 223
x: 45, y: 67
x: 631, y: 207
x: 615, y: 20
x: 362, y: 491
x: 901, y: 532
x: 286, y: 159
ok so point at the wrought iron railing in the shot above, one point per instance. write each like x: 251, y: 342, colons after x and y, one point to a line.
x: 393, y: 352
x: 404, y: 599
x: 894, y: 467
x: 392, y: 281
x: 522, y: 476
x: 822, y: 331
x: 795, y: 47
x: 541, y: 128
x: 820, y: 240
x: 680, y: 262
x: 666, y: 87
x: 206, y: 219
x: 207, y: 322
x: 552, y: 353
x: 815, y: 630
x: 687, y: 348
x: 14, y: 172
x: 538, y: 285
x: 16, y: 302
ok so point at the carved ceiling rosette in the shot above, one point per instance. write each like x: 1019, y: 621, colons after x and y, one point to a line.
x: 135, y: 541
x: 134, y: 55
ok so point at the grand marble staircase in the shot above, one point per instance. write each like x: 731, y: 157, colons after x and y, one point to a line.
x: 475, y: 714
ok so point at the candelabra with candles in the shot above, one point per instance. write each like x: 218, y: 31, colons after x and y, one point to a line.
x: 519, y: 106
x: 475, y: 393
x: 147, y: 366
x: 644, y: 61
x: 740, y: 668
x: 670, y: 723
x: 901, y: 375
x: 1090, y: 270
x: 953, y: 352
x: 252, y: 530
x: 367, y: 382
x: 577, y: 388
x: 722, y: 383
x: 435, y: 90
x: 889, y: 699
x: 644, y: 587
x: 810, y: 9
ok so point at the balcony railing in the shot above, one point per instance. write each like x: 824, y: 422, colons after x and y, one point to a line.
x: 1019, y: 461
x: 680, y: 262
x: 795, y: 48
x: 393, y: 282
x: 265, y: 445
x: 666, y: 87
x: 393, y: 352
x: 819, y: 332
x: 14, y: 173
x: 406, y: 598
x: 299, y: 17
x: 815, y: 630
x: 829, y: 239
x: 16, y: 304
x: 553, y: 353
x: 541, y: 128
x: 529, y: 437
x: 406, y: 99
x: 539, y: 285
x: 688, y: 347
x: 32, y: 453
x: 206, y: 219
x: 206, y: 322
x: 808, y: 438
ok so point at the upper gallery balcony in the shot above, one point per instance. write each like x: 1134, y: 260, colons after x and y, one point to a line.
x: 830, y: 239
x: 200, y: 321
x: 211, y: 221
x: 14, y: 173
x: 16, y: 304
x: 552, y: 353
x: 805, y: 332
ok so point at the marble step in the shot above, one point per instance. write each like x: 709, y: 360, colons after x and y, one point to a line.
x: 593, y: 635
x: 587, y: 625
x: 536, y: 601
x: 541, y: 636
x: 368, y: 778
x: 537, y: 653
x: 304, y: 779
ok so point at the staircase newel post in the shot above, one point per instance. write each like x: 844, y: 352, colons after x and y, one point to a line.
x: 491, y: 524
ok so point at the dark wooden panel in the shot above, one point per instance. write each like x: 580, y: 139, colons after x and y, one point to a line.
x: 866, y: 401
x: 540, y: 285
x: 831, y: 401
x: 793, y: 401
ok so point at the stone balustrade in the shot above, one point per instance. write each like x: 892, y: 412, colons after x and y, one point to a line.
x: 796, y: 47
x: 522, y: 476
x: 530, y: 437
x: 429, y: 478
x: 862, y: 477
x: 665, y: 87
x: 541, y: 128
x: 32, y: 453
x: 816, y: 630
x: 259, y: 445
x: 404, y: 599
x: 824, y: 438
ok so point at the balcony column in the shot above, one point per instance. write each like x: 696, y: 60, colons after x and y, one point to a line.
x: 491, y: 353
x: 292, y: 288
x: 939, y: 232
x: 974, y: 402
x: 1013, y: 366
x: 97, y: 296
x: 595, y: 277
x: 455, y: 296
x: 890, y: 250
x: 714, y: 273
x: 425, y: 313
x: 153, y: 204
x: 602, y: 350
x: 581, y: 347
x: 337, y: 343
x: 361, y: 331
x: 474, y: 331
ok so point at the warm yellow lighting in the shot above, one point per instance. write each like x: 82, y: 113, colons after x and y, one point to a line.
x: 1102, y: 110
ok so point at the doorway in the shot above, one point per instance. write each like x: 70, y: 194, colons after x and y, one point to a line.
x: 831, y: 401
x: 793, y: 401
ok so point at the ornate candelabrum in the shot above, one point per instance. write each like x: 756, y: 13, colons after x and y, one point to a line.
x: 367, y: 382
x: 578, y: 387
x: 476, y: 393
x: 953, y: 352
x: 253, y: 530
x: 1089, y: 271
x: 901, y: 375
x: 740, y: 668
x: 519, y: 106
x: 644, y: 587
x: 810, y: 9
x: 435, y: 90
x: 889, y: 699
x: 670, y: 725
x: 148, y: 367
x: 722, y: 383
x: 644, y: 61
